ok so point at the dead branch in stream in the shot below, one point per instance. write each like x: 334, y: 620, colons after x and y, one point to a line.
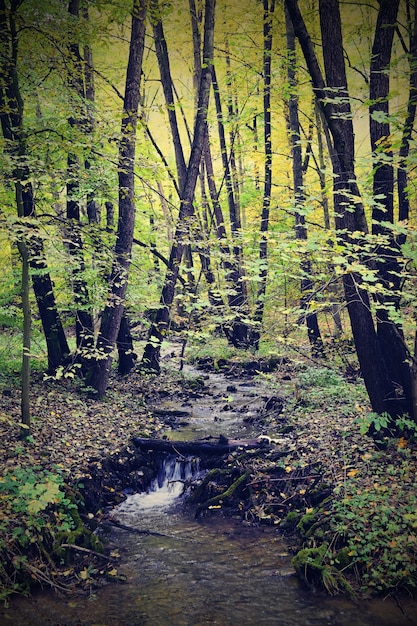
x: 201, y: 447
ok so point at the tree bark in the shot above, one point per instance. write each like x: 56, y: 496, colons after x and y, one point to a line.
x: 199, y: 447
x: 268, y: 10
x: 158, y: 330
x: 84, y: 327
x: 237, y: 332
x: 380, y: 387
x: 12, y: 108
x: 388, y: 255
x: 402, y: 176
x: 98, y: 375
x: 166, y: 80
x: 27, y: 321
x: 127, y: 355
x: 313, y: 330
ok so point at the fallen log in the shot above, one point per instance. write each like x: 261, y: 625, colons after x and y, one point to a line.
x: 200, y: 447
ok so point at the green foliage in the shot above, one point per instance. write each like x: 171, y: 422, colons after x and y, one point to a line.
x: 364, y: 538
x: 322, y: 387
x: 35, y: 511
x: 378, y: 523
x: 383, y: 423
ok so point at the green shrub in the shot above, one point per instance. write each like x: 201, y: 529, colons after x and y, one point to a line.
x: 34, y: 511
x: 378, y: 524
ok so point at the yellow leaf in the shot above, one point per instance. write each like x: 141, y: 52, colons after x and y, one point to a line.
x: 352, y: 473
x: 309, y: 510
x: 112, y: 572
x: 402, y: 443
x: 84, y: 574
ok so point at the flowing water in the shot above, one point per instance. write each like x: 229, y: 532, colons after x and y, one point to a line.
x: 195, y: 573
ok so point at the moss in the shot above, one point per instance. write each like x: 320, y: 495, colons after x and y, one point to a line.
x: 334, y: 582
x: 290, y: 521
x: 311, y: 558
x: 309, y: 565
x: 80, y: 535
x: 342, y: 558
x: 225, y: 495
x: 307, y: 521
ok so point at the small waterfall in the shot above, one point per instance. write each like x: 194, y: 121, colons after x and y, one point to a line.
x: 173, y: 474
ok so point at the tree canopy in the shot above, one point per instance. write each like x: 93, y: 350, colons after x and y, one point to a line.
x: 217, y: 168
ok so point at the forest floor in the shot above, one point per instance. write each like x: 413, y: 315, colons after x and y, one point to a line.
x: 350, y: 505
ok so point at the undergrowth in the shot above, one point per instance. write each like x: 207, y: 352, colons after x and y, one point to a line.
x: 375, y: 517
x: 363, y: 538
x: 29, y: 525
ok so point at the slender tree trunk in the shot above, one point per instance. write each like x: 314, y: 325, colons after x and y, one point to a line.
x: 110, y: 323
x: 388, y: 259
x: 27, y: 321
x: 159, y: 328
x: 25, y: 387
x: 11, y: 116
x: 93, y: 210
x: 166, y: 80
x: 84, y: 327
x: 127, y: 357
x: 231, y: 118
x: 403, y: 197
x: 237, y: 331
x: 268, y: 8
x: 313, y: 330
x: 203, y: 236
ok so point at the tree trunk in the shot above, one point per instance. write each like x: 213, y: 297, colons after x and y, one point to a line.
x: 11, y: 107
x: 219, y: 446
x: 93, y: 209
x: 381, y: 390
x: 25, y: 386
x: 127, y: 356
x: 403, y: 198
x: 388, y: 262
x: 158, y: 330
x: 25, y: 378
x: 84, y: 327
x: 166, y: 80
x: 110, y: 323
x: 237, y: 332
x: 266, y: 203
x: 313, y: 331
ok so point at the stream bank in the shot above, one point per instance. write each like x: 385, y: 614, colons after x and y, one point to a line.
x: 275, y: 479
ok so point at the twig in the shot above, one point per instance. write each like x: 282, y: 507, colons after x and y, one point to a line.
x: 285, y: 480
x: 40, y: 576
x: 132, y: 529
x: 81, y: 549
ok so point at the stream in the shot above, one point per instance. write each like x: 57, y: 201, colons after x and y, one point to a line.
x: 207, y: 571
